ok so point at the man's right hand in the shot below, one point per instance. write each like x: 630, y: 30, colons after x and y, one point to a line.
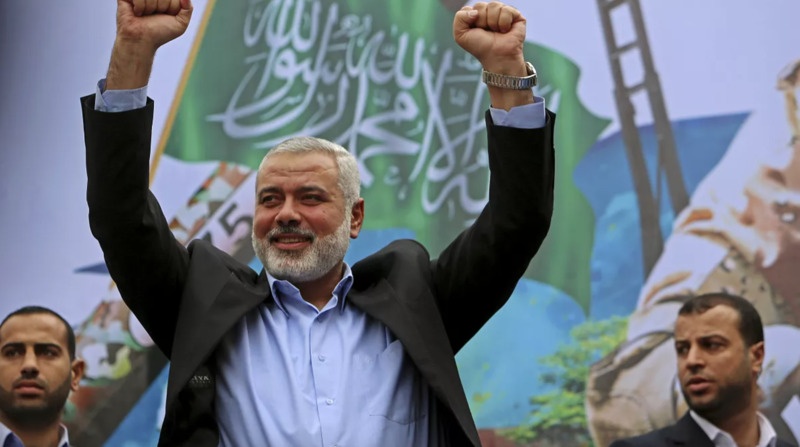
x: 142, y: 27
x: 152, y: 22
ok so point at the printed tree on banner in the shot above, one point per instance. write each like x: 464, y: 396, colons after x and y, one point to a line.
x: 558, y: 417
x: 387, y: 81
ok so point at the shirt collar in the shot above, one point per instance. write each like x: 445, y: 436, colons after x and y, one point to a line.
x: 5, y: 432
x: 282, y: 288
x: 767, y: 435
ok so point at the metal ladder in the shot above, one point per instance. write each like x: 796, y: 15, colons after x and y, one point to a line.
x: 667, y: 160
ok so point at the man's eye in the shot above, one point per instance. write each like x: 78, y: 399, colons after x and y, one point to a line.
x: 11, y: 353
x: 48, y: 352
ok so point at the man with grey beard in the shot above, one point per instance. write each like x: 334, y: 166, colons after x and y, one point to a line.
x: 312, y: 351
x: 325, y: 253
x: 38, y: 369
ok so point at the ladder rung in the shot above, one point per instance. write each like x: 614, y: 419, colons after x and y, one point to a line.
x: 611, y: 4
x: 627, y: 47
x: 635, y: 88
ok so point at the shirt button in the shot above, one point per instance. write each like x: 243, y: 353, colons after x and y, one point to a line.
x: 329, y: 401
x: 321, y: 358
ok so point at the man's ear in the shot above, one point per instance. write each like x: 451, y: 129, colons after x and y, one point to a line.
x: 756, y: 353
x: 356, y: 218
x: 78, y: 367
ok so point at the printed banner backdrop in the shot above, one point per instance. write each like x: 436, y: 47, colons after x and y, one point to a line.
x: 701, y: 192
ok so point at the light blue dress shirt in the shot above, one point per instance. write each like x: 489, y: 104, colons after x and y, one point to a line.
x: 9, y: 439
x: 721, y: 438
x: 292, y: 375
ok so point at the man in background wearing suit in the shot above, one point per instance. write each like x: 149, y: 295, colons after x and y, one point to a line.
x: 312, y: 352
x: 719, y: 341
x: 38, y: 369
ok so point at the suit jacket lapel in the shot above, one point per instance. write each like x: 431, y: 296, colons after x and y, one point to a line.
x: 202, y: 328
x: 687, y: 432
x: 380, y: 302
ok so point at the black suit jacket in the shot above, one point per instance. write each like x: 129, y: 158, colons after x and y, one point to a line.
x: 685, y: 432
x: 188, y: 298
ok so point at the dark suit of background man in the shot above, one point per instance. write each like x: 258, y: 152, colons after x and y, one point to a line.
x: 38, y: 369
x: 719, y: 340
x: 312, y: 352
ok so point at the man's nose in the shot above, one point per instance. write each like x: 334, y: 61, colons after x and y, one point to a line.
x: 694, y: 358
x: 288, y: 214
x: 30, y: 365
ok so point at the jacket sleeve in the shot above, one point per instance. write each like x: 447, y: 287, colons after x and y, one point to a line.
x: 476, y: 274
x: 144, y: 259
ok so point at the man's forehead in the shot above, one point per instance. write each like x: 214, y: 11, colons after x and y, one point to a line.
x: 719, y: 320
x: 33, y: 329
x: 298, y: 175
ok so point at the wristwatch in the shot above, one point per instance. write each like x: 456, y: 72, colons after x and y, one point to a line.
x: 511, y: 82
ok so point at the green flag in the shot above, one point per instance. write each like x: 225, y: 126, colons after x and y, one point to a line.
x: 387, y: 81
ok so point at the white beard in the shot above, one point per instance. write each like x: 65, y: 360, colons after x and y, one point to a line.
x: 308, y: 264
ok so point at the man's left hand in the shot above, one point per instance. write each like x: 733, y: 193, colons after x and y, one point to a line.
x: 494, y: 33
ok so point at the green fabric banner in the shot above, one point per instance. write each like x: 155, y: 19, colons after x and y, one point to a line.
x: 387, y: 81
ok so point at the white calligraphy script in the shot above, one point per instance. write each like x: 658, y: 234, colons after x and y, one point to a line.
x: 313, y: 70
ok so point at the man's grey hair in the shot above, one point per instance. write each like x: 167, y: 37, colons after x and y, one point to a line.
x: 349, y: 179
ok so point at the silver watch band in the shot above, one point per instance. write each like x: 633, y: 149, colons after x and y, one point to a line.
x: 511, y: 82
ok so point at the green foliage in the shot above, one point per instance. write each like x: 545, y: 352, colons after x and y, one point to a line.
x: 558, y: 417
